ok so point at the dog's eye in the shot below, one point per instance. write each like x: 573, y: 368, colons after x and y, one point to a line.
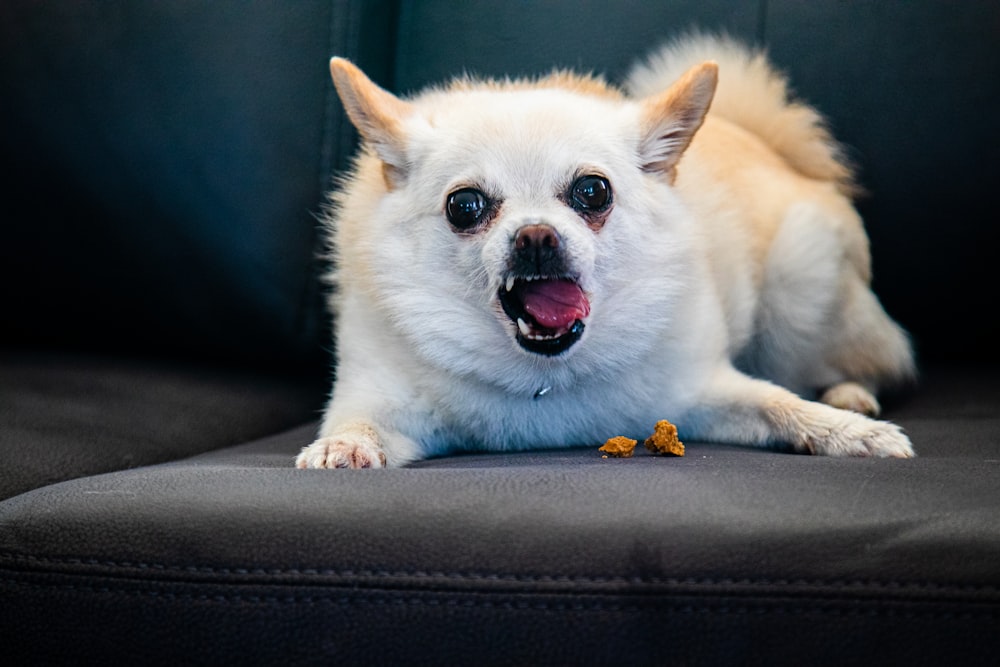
x: 465, y: 207
x: 590, y: 193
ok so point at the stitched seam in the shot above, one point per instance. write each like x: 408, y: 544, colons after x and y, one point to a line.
x: 517, y: 578
x: 330, y: 139
x: 331, y: 119
x: 848, y: 610
x: 348, y: 139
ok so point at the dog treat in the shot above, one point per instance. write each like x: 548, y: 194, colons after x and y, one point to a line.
x: 619, y: 447
x: 664, y: 440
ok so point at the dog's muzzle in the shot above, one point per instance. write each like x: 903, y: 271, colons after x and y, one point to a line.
x: 540, y: 295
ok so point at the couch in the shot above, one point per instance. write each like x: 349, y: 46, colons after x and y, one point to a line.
x: 164, y: 354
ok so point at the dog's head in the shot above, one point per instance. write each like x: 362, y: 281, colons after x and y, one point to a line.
x: 533, y: 213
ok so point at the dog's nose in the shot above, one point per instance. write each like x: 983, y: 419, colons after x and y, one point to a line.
x: 536, y: 237
x: 537, y: 251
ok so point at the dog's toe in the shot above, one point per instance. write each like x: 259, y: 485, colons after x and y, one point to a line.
x: 888, y: 441
x: 861, y: 436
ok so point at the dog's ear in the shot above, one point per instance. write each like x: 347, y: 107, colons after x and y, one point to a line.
x: 670, y: 119
x: 376, y: 113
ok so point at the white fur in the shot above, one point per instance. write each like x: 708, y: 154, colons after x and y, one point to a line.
x: 756, y: 265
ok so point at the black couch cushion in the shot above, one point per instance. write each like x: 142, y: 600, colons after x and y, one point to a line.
x: 533, y: 558
x: 64, y: 416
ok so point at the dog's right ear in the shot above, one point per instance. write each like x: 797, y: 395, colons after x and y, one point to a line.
x: 670, y: 119
x: 376, y: 113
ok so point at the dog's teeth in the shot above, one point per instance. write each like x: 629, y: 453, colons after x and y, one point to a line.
x: 510, y: 284
x: 524, y: 328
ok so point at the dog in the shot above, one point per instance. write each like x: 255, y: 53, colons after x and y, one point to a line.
x: 547, y: 262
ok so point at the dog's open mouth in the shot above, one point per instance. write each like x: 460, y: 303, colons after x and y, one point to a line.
x: 549, y: 312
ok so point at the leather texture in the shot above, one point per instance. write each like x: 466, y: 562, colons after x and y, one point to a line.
x: 164, y: 354
x: 726, y: 555
x: 68, y: 415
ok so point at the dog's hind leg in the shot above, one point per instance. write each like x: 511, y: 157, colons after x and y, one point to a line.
x: 820, y: 329
x: 852, y: 396
x: 869, y: 350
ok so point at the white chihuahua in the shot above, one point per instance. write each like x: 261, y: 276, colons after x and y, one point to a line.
x: 548, y: 263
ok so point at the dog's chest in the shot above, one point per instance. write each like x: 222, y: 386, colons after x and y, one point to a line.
x: 548, y: 416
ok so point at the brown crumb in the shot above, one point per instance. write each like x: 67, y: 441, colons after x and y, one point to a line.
x: 664, y: 440
x: 619, y: 447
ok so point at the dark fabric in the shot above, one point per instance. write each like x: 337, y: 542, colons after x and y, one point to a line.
x: 64, y: 416
x: 438, y: 40
x: 911, y: 90
x: 164, y: 163
x: 726, y: 555
x: 163, y: 166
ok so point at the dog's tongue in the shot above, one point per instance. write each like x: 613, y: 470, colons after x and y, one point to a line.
x: 554, y: 304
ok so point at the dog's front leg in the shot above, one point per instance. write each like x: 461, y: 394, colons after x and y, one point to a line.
x: 358, y: 444
x: 364, y: 434
x: 351, y: 445
x: 736, y: 408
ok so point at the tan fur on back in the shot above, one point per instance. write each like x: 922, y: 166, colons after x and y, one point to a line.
x: 757, y: 98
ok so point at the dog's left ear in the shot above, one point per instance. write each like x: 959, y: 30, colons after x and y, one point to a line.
x: 670, y: 119
x: 376, y: 113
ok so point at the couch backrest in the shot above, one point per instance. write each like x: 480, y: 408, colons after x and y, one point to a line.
x: 165, y: 161
x: 164, y: 166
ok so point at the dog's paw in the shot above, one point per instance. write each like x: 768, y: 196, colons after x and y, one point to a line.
x: 350, y: 448
x: 860, y: 436
x: 852, y: 396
